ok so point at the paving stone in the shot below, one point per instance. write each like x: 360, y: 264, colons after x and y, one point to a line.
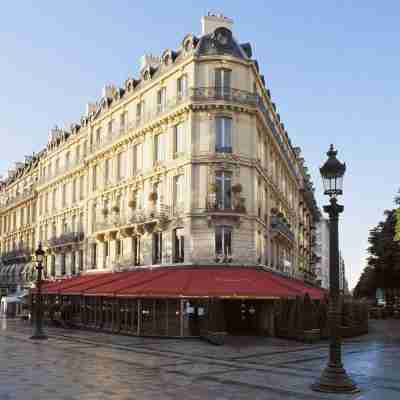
x: 90, y: 365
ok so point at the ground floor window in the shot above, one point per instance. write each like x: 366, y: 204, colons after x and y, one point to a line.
x: 63, y: 264
x: 179, y: 245
x: 136, y: 250
x: 94, y: 255
x: 53, y: 265
x: 157, y: 247
x: 73, y: 263
x: 80, y: 260
x: 119, y: 248
x: 223, y: 241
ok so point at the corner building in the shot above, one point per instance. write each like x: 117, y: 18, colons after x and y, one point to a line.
x: 187, y: 165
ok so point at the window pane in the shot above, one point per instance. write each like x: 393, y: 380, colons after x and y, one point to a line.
x: 218, y: 240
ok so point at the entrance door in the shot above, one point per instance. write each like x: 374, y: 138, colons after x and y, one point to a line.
x: 242, y: 317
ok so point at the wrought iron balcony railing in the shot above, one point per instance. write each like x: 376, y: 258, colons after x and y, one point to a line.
x: 24, y: 195
x: 16, y: 256
x: 237, y: 205
x: 158, y: 213
x: 279, y: 225
x: 65, y: 239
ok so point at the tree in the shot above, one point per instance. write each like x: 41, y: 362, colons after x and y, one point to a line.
x: 383, y: 263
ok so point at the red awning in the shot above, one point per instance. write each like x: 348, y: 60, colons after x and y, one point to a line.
x: 209, y: 282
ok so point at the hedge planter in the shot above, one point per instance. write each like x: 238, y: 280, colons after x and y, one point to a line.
x: 217, y: 338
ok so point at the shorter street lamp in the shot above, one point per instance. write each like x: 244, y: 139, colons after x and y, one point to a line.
x: 334, y: 378
x: 38, y: 333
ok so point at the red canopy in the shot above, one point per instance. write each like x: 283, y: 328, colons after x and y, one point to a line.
x: 216, y: 282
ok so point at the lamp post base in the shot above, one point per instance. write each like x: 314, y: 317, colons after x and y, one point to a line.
x: 335, y: 380
x: 38, y: 334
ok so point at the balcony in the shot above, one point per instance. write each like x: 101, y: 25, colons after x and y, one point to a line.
x: 16, y: 256
x: 236, y: 96
x: 59, y: 172
x: 66, y: 239
x: 231, y: 95
x: 215, y: 209
x: 138, y: 222
x: 281, y: 227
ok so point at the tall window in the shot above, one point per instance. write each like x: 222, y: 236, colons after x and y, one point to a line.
x: 179, y: 245
x: 94, y: 182
x: 63, y: 264
x: 94, y: 255
x: 110, y: 127
x: 222, y: 82
x: 53, y: 265
x: 119, y: 248
x: 98, y: 136
x: 159, y: 147
x: 179, y: 144
x: 223, y: 241
x: 107, y: 171
x: 64, y: 194
x: 81, y: 187
x: 74, y: 184
x: 161, y: 99
x: 157, y: 248
x: 73, y: 263
x: 57, y: 166
x: 122, y: 121
x: 120, y: 165
x: 140, y: 111
x: 178, y: 192
x: 136, y: 250
x: 223, y: 181
x: 67, y: 159
x: 77, y: 153
x: 223, y: 142
x: 135, y: 158
x: 80, y: 253
x: 182, y: 86
x: 46, y: 202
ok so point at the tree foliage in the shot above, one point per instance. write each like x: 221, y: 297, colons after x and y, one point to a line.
x: 383, y: 263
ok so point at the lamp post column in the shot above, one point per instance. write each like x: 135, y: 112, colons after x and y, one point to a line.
x: 38, y: 333
x: 334, y: 378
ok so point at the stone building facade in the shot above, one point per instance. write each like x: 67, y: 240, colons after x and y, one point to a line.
x: 322, y: 253
x: 189, y: 163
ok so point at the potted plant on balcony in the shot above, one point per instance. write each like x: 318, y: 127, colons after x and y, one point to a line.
x: 236, y: 189
x: 115, y: 208
x: 132, y: 203
x: 212, y: 196
x: 153, y: 196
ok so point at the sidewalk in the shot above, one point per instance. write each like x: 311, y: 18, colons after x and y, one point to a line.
x: 75, y: 364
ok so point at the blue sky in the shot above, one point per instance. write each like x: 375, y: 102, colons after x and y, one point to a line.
x: 332, y: 68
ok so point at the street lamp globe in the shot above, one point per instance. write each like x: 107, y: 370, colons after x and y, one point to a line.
x: 332, y: 173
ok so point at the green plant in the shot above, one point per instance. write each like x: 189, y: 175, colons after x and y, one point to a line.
x: 213, y: 188
x: 153, y: 196
x: 237, y: 188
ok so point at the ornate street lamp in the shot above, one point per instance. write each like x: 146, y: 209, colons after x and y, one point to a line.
x: 334, y: 378
x: 38, y: 333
